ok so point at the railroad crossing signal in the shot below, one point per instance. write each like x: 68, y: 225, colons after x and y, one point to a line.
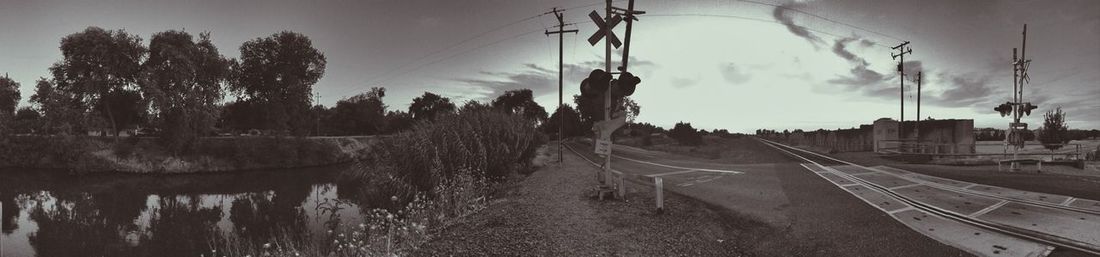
x: 605, y: 28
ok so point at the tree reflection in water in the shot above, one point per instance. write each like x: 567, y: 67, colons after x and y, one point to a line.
x: 81, y: 225
x: 9, y: 214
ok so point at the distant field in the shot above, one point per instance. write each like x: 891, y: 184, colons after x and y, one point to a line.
x: 1034, y: 147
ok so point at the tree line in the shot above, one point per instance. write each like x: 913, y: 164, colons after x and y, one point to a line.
x: 179, y: 87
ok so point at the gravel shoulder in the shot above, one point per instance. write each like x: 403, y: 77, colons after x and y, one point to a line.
x: 552, y: 213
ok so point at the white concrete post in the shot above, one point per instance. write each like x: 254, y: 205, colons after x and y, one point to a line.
x: 659, y: 182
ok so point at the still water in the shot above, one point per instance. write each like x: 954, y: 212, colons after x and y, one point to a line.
x: 48, y: 213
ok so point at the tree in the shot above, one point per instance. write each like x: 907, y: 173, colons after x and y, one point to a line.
x: 591, y: 109
x: 9, y: 96
x: 99, y: 69
x: 183, y: 80
x: 362, y: 114
x: 573, y: 126
x: 473, y: 105
x: 9, y: 99
x: 520, y: 101
x: 277, y: 73
x: 685, y: 134
x: 429, y: 105
x: 62, y: 111
x: 1053, y: 132
x: 398, y: 121
x: 27, y: 121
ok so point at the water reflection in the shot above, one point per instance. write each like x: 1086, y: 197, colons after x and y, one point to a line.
x: 61, y: 215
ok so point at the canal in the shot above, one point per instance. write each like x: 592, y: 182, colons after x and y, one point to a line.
x: 50, y: 213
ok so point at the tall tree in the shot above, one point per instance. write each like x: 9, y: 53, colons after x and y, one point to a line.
x: 521, y: 101
x: 362, y: 114
x: 183, y: 80
x: 9, y: 99
x: 1053, y: 133
x: 572, y: 122
x: 9, y: 96
x: 99, y: 68
x: 63, y: 112
x: 429, y: 105
x: 278, y: 73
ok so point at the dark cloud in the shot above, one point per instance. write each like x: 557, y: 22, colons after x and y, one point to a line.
x: 860, y: 75
x: 540, y: 80
x: 734, y: 74
x: 962, y: 91
x: 780, y: 14
x: 840, y: 49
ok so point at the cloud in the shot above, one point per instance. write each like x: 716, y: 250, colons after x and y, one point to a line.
x: 860, y: 75
x: 963, y: 91
x: 733, y: 74
x: 540, y: 80
x: 683, y: 82
x: 780, y: 14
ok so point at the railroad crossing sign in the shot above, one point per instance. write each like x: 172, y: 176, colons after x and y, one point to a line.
x: 605, y: 29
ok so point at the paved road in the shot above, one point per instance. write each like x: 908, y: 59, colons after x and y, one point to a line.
x: 826, y: 220
x: 842, y: 209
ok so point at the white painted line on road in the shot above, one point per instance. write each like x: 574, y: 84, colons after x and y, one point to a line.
x: 904, y: 186
x: 988, y: 209
x: 671, y: 173
x: 901, y: 210
x: 1068, y: 201
x: 678, y: 167
x: 971, y: 185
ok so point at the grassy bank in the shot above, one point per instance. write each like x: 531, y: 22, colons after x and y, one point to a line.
x: 433, y: 175
x: 83, y: 154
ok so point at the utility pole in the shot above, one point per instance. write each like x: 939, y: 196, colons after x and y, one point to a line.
x: 917, y: 129
x: 903, y: 49
x: 561, y: 52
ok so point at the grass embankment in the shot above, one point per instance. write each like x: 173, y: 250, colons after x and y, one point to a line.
x: 82, y: 154
x: 433, y: 175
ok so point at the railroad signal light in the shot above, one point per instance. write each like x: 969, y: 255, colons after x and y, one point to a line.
x: 596, y: 83
x: 1005, y: 109
x: 625, y: 85
x: 1028, y: 107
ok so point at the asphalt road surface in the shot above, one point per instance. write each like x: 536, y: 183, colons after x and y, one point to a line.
x: 833, y: 208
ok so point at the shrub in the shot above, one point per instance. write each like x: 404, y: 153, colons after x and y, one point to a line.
x: 685, y: 134
x: 481, y: 143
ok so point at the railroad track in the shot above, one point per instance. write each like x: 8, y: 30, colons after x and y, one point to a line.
x: 1049, y: 239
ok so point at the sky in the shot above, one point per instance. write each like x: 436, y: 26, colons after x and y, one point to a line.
x: 718, y: 64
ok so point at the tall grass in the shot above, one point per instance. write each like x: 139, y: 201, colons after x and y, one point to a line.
x: 433, y: 174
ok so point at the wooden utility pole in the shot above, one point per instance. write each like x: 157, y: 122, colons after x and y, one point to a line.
x: 917, y: 129
x: 903, y: 50
x: 561, y: 52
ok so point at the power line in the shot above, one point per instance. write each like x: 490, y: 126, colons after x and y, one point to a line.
x: 820, y: 17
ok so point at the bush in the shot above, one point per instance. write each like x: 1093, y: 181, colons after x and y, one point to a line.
x: 481, y: 143
x: 685, y: 134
